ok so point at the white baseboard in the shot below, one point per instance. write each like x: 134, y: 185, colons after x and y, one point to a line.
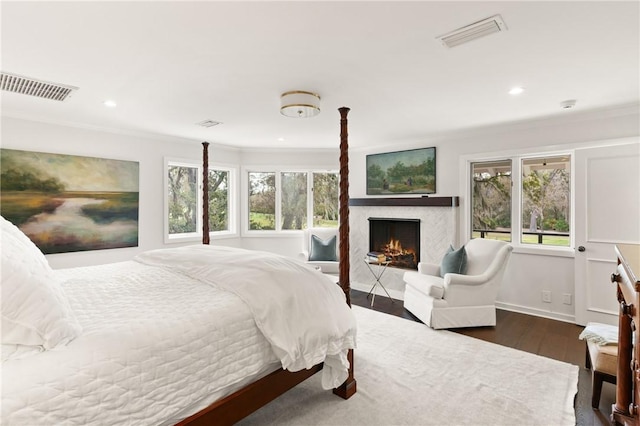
x: 536, y: 312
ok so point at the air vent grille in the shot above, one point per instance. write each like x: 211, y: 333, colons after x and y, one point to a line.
x: 474, y: 31
x: 208, y: 123
x: 29, y: 86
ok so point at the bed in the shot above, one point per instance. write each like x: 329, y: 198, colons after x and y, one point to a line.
x: 190, y: 335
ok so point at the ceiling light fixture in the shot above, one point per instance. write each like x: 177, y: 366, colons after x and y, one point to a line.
x: 110, y: 103
x: 516, y: 90
x: 299, y: 104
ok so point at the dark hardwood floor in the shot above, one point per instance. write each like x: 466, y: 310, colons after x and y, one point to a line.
x: 540, y: 336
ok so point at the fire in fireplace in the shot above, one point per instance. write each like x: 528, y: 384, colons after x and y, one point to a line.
x: 397, y: 239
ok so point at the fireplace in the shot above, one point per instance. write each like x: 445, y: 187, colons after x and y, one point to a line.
x: 397, y: 239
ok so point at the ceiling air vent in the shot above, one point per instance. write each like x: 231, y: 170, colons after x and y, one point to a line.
x: 495, y: 24
x: 30, y: 86
x: 208, y: 123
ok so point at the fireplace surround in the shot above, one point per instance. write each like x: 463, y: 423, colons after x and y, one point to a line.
x: 438, y: 229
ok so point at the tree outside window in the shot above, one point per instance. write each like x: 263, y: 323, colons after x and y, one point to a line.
x: 491, y: 200
x: 218, y: 200
x: 183, y: 199
x: 262, y: 201
x: 546, y: 200
x: 293, y: 200
x: 325, y: 199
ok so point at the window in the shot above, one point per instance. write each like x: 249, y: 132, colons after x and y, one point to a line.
x: 184, y: 201
x: 262, y: 201
x: 491, y: 200
x: 325, y: 199
x: 533, y: 210
x: 291, y: 200
x: 218, y: 200
x: 546, y: 201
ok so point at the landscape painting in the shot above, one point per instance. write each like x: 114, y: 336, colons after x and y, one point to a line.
x: 68, y: 203
x: 402, y: 172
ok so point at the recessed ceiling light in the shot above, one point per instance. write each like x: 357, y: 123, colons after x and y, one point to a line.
x: 280, y: 139
x: 516, y: 90
x: 110, y: 103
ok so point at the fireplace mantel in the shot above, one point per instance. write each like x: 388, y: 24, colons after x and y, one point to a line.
x: 407, y: 201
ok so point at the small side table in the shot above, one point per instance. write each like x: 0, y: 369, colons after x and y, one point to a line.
x: 377, y: 270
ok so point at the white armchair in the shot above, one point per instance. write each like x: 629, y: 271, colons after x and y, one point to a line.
x: 321, y: 251
x: 457, y: 300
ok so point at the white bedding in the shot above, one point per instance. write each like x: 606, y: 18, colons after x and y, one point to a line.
x: 286, y: 297
x: 145, y: 353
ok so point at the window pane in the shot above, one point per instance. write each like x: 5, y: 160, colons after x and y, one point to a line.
x: 294, y: 200
x: 218, y: 200
x: 546, y: 200
x: 262, y: 201
x: 491, y: 200
x: 183, y: 193
x: 325, y: 200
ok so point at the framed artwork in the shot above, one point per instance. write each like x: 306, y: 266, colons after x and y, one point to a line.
x: 68, y: 203
x: 402, y: 172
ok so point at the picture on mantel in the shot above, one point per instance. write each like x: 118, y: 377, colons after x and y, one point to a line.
x: 402, y: 172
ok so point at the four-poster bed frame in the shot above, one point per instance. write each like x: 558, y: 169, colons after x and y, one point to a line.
x: 257, y: 394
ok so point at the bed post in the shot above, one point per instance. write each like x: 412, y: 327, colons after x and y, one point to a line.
x: 205, y: 192
x: 348, y: 388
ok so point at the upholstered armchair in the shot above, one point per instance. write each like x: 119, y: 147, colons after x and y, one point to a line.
x: 459, y: 299
x: 321, y: 248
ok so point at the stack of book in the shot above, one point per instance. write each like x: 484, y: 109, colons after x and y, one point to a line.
x: 376, y: 256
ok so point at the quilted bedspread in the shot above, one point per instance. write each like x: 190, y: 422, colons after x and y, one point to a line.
x: 301, y: 312
x: 157, y: 345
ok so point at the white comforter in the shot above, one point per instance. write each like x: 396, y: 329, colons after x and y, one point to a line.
x: 151, y: 337
x: 301, y: 312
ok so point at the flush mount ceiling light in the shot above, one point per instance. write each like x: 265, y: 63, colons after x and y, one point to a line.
x: 491, y: 25
x: 299, y: 104
x: 516, y: 90
x: 31, y: 86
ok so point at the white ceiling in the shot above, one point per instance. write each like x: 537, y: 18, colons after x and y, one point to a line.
x: 169, y: 65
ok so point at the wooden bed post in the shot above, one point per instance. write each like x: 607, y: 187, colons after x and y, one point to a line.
x: 205, y: 192
x: 348, y: 388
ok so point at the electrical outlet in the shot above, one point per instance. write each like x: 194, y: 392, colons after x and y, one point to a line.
x: 566, y: 298
x: 546, y: 296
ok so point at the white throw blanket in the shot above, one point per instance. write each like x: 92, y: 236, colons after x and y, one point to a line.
x: 300, y: 311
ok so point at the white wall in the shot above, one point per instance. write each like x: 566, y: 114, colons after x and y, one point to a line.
x: 149, y: 152
x: 528, y: 274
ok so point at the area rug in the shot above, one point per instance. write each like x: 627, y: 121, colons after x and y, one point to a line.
x: 409, y: 374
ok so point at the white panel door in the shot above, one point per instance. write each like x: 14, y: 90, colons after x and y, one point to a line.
x: 607, y: 200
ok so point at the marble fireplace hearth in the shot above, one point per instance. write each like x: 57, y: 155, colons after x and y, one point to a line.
x: 438, y: 228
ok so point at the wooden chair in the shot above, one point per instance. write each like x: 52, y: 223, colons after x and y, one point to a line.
x: 602, y: 360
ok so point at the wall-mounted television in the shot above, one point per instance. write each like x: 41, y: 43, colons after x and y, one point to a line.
x: 402, y: 172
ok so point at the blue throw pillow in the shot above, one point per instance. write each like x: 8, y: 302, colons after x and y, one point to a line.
x: 323, y: 250
x: 454, y: 261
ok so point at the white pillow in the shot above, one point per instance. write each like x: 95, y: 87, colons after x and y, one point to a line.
x: 35, y: 310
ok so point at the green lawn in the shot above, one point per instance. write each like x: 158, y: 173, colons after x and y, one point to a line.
x: 547, y: 240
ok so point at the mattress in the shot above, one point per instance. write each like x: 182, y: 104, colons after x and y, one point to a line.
x: 156, y: 347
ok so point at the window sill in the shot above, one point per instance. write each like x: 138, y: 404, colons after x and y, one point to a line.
x: 545, y: 251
